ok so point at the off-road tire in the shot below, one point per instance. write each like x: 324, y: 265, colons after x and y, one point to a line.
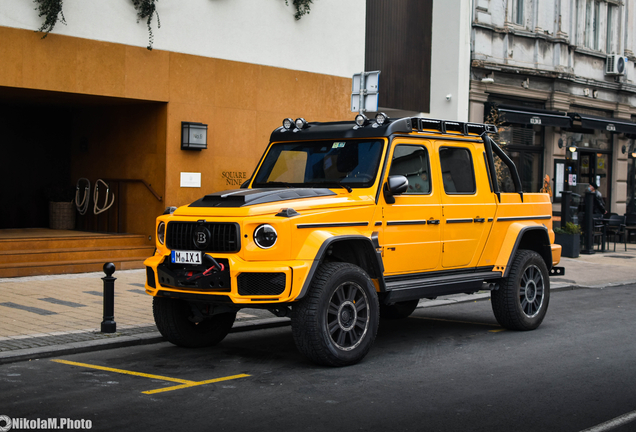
x: 399, y: 310
x: 341, y: 298
x: 172, y: 319
x: 522, y: 299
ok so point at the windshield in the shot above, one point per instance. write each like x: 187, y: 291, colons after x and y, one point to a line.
x: 342, y: 163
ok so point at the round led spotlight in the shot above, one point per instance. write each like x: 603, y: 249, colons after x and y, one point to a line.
x: 301, y: 123
x: 161, y: 232
x: 381, y: 118
x: 265, y: 236
x: 361, y: 120
x: 288, y: 123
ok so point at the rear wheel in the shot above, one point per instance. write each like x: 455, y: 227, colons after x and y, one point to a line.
x: 337, y: 321
x: 521, y: 301
x: 173, y: 319
x: 398, y: 310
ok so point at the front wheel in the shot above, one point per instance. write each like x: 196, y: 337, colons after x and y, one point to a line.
x: 173, y: 319
x: 521, y: 301
x: 337, y: 321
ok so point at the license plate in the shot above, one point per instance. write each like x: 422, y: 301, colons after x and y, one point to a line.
x: 186, y: 257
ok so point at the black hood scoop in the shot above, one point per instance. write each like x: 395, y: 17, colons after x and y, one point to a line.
x: 248, y: 197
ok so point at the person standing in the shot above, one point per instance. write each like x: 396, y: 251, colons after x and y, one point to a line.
x: 599, y: 207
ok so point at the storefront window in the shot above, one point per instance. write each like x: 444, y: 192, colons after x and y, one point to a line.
x: 591, y: 162
x: 524, y: 145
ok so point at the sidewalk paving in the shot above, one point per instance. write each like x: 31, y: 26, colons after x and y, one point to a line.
x: 61, y: 314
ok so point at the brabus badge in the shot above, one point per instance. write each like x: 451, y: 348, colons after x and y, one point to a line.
x: 201, y: 237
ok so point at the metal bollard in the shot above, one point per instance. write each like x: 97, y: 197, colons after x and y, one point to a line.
x: 109, y: 325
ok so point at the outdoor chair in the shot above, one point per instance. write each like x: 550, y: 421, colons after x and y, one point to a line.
x: 616, y: 229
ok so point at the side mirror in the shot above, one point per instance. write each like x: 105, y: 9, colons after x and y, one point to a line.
x: 395, y: 185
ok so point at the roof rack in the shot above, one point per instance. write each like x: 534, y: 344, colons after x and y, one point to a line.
x: 422, y: 124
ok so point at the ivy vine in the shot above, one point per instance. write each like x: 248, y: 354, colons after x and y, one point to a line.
x: 51, y: 10
x: 146, y: 9
x: 302, y: 7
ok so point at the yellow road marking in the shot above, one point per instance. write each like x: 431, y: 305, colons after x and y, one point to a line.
x: 455, y: 321
x: 194, y: 383
x: 183, y: 383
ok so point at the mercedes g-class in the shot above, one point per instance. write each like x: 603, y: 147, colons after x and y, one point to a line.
x: 345, y: 223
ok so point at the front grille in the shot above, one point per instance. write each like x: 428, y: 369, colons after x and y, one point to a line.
x: 266, y: 284
x: 225, y: 236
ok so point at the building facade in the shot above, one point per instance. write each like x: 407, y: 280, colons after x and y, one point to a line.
x: 559, y: 77
x: 90, y: 101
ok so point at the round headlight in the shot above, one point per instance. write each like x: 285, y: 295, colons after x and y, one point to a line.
x: 288, y: 123
x: 361, y: 120
x: 265, y: 236
x: 161, y: 232
x: 301, y: 123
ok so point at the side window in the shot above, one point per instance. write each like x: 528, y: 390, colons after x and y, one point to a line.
x: 458, y: 173
x: 411, y: 161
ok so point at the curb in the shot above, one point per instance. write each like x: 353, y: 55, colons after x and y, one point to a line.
x: 122, y: 341
x: 239, y: 327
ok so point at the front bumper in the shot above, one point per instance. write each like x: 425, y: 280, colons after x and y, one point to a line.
x: 241, y: 282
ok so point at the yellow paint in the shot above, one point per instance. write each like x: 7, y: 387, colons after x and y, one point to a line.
x: 183, y: 383
x: 193, y: 384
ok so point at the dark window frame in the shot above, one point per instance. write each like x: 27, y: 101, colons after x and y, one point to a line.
x: 472, y: 169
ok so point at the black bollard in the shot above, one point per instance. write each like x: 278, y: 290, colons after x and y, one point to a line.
x: 588, y: 225
x: 566, y: 202
x: 109, y: 325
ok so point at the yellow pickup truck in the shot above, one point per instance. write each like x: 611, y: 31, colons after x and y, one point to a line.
x: 343, y: 224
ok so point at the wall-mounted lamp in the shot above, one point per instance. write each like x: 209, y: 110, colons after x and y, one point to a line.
x: 572, y: 148
x: 194, y: 136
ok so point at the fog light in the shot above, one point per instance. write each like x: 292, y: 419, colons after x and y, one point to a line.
x: 361, y: 120
x: 161, y: 232
x: 288, y: 123
x: 381, y: 118
x: 265, y: 236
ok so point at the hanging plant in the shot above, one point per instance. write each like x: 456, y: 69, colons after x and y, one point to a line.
x: 302, y: 7
x: 51, y: 10
x: 146, y: 9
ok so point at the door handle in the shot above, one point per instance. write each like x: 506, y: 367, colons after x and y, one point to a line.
x: 479, y: 220
x: 432, y: 222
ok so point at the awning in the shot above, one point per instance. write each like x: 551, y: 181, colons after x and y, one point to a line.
x: 530, y: 116
x: 603, y: 123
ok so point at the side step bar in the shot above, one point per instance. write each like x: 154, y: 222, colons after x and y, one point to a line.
x: 398, y: 290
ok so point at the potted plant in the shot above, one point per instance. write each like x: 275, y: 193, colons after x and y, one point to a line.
x: 61, y: 208
x: 569, y: 237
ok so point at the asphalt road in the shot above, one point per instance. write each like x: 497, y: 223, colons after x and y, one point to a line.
x: 449, y: 368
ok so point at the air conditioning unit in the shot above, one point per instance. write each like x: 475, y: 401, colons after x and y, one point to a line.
x: 615, y: 65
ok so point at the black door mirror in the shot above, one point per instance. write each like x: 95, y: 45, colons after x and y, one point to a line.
x: 395, y: 185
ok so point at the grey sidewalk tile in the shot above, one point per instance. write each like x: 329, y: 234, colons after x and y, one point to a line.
x: 62, y: 302
x: 28, y: 308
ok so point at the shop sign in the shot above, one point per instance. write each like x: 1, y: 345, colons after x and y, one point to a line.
x: 535, y: 120
x: 234, y: 178
x: 610, y: 127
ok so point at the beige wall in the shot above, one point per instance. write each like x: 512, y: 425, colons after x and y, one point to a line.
x: 138, y: 134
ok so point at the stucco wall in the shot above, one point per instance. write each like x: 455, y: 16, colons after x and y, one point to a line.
x: 329, y: 40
